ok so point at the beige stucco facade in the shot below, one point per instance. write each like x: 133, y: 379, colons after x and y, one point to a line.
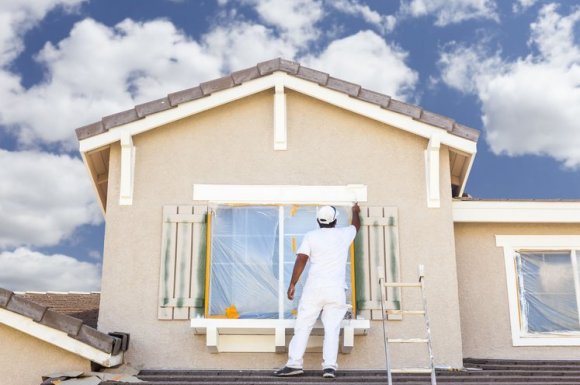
x: 25, y: 359
x: 483, y: 295
x: 233, y: 144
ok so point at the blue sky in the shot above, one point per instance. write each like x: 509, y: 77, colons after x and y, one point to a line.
x: 508, y: 68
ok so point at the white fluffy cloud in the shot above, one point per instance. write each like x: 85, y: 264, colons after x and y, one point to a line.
x: 385, y: 23
x: 17, y: 17
x: 530, y: 105
x: 296, y: 19
x: 27, y: 270
x: 43, y: 198
x: 384, y: 68
x: 522, y: 5
x: 450, y: 11
x: 101, y: 70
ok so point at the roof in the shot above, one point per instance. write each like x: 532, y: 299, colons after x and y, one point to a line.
x: 266, y: 68
x: 49, y: 317
x: 83, y: 306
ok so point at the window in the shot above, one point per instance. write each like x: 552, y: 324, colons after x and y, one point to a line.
x: 251, y: 246
x: 543, y: 280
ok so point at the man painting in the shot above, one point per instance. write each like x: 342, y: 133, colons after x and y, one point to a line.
x: 327, y: 251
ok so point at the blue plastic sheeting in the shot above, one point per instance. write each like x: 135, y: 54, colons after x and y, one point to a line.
x: 547, y: 292
x: 245, y: 258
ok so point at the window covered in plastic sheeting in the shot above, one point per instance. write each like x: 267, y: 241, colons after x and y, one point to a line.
x: 549, y: 285
x: 249, y: 247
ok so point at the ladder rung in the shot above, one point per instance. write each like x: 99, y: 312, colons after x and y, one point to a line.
x: 413, y: 312
x: 401, y: 284
x: 408, y: 340
x: 411, y: 370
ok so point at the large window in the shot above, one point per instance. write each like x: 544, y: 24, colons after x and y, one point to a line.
x: 251, y: 257
x: 548, y: 282
x: 543, y: 282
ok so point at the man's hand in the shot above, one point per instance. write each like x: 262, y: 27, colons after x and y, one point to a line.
x: 355, y: 208
x: 355, y: 216
x: 291, y: 290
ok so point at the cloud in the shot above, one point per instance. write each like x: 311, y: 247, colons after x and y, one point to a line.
x: 17, y: 17
x: 134, y: 62
x: 296, y: 19
x: 43, y: 198
x: 530, y: 105
x: 450, y: 11
x: 27, y: 270
x: 367, y: 59
x: 385, y: 23
x: 522, y: 5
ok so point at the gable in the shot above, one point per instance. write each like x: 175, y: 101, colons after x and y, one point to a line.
x: 279, y: 76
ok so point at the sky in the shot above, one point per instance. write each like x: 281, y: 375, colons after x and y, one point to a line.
x: 510, y: 68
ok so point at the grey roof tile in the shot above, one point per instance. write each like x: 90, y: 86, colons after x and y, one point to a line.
x: 374, y: 97
x: 404, y: 108
x: 26, y: 308
x: 95, y: 338
x: 63, y: 322
x: 217, y: 85
x: 245, y: 75
x: 436, y: 120
x: 152, y: 107
x: 89, y: 130
x: 312, y: 75
x: 465, y: 132
x: 343, y: 86
x: 289, y: 66
x: 187, y: 95
x: 5, y: 296
x: 120, y: 118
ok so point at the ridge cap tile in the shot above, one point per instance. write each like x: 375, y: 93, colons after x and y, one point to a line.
x: 313, y: 75
x: 245, y: 75
x: 404, y: 108
x: 89, y: 130
x: 269, y: 66
x: 216, y: 85
x: 95, y: 338
x: 152, y: 107
x: 63, y: 322
x: 436, y: 120
x: 5, y: 296
x: 352, y: 89
x: 374, y: 97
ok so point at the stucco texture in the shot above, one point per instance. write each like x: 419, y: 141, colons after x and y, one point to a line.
x: 233, y: 144
x: 25, y: 359
x: 483, y: 293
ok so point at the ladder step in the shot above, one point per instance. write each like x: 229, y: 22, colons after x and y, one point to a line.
x: 411, y: 370
x: 412, y: 312
x: 408, y: 340
x: 402, y: 284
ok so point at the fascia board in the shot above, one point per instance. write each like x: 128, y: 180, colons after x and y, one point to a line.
x: 309, y: 88
x: 58, y: 338
x: 516, y: 212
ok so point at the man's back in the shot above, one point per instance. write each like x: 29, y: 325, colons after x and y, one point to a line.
x: 327, y: 249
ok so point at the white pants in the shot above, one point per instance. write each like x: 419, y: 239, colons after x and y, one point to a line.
x: 332, y: 302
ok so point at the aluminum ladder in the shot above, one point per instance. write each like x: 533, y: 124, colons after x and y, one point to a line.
x: 387, y: 340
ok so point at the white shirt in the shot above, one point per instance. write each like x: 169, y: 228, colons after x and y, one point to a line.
x: 327, y: 250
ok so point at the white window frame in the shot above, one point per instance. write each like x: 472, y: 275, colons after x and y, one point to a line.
x: 511, y: 244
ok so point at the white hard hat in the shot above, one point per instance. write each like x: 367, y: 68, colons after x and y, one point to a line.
x: 326, y: 214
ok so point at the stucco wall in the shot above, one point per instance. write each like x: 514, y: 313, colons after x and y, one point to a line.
x: 483, y: 294
x: 24, y: 359
x: 233, y: 144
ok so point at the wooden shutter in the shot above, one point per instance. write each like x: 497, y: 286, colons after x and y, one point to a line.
x: 182, y: 269
x: 377, y: 253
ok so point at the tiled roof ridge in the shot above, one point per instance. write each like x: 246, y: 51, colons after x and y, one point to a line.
x: 266, y: 68
x: 73, y: 327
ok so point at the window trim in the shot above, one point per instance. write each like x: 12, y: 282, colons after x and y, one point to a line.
x: 511, y: 244
x: 281, y: 251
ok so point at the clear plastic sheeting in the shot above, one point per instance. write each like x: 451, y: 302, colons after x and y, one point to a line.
x: 245, y: 259
x: 548, y: 282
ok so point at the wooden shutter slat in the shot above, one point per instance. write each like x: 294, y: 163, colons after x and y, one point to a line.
x: 183, y: 263
x: 198, y: 256
x: 167, y: 268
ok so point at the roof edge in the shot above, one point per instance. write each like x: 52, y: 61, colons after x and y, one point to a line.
x: 516, y: 211
x: 267, y: 68
x: 59, y: 329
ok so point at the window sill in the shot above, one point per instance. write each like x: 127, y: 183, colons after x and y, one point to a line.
x: 546, y: 340
x: 267, y: 335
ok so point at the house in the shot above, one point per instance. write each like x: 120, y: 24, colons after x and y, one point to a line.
x: 207, y: 192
